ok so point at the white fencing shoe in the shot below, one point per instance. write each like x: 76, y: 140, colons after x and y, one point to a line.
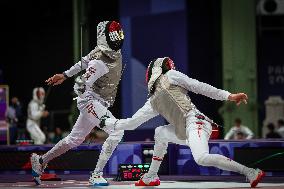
x: 97, y: 179
x: 255, y: 176
x: 37, y: 168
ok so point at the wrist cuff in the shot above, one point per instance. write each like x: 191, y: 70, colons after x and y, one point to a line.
x: 65, y: 75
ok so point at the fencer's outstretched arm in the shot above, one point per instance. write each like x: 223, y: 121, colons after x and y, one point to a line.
x: 178, y: 78
x: 57, y: 79
x: 141, y: 116
x: 78, y: 67
x: 95, y: 69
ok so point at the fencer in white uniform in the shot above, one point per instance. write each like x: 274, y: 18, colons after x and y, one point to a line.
x: 36, y: 111
x: 168, y: 90
x: 96, y: 92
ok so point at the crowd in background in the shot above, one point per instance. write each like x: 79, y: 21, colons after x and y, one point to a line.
x: 242, y: 132
x: 18, y: 128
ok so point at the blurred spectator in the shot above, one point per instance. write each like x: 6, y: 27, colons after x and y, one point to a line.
x: 36, y: 111
x: 57, y: 135
x: 15, y: 118
x: 240, y: 136
x: 281, y: 127
x: 238, y: 128
x: 272, y: 133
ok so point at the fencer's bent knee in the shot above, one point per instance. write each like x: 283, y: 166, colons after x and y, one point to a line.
x: 161, y: 142
x: 160, y: 135
x: 158, y: 129
x: 201, y: 159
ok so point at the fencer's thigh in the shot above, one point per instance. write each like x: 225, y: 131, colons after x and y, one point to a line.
x: 94, y: 110
x: 167, y: 132
x: 197, y: 138
x: 82, y: 127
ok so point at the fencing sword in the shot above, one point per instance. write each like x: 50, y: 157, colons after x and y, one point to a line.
x: 47, y: 93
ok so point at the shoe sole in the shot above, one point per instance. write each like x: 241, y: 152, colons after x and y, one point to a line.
x: 101, y: 184
x: 141, y: 183
x: 258, y: 179
x: 37, y: 180
x: 35, y: 175
x: 146, y: 184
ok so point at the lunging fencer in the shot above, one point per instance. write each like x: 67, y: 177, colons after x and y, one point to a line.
x: 96, y: 92
x: 168, y: 90
x: 36, y: 111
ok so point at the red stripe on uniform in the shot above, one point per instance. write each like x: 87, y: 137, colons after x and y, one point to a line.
x: 157, y: 158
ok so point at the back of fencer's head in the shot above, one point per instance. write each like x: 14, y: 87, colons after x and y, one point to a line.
x: 159, y: 65
x: 155, y: 68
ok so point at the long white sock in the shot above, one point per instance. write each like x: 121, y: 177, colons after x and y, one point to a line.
x: 160, y: 149
x: 106, y: 152
x: 60, y: 148
x: 224, y: 163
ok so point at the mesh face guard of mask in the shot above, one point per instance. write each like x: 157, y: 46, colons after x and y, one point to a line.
x: 113, y: 32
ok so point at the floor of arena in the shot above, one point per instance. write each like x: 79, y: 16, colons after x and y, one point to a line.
x: 81, y: 181
x: 15, y: 168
